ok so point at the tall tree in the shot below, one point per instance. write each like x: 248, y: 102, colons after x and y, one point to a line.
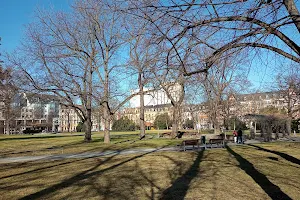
x: 222, y: 80
x: 76, y: 56
x: 8, y: 91
x: 70, y: 55
x: 140, y: 62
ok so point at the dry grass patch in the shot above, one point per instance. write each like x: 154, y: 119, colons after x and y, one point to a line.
x: 243, y: 172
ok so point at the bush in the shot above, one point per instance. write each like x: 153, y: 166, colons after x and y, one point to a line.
x: 80, y: 127
x: 29, y: 131
x: 162, y: 121
x: 123, y: 124
x: 188, y: 124
x: 229, y: 123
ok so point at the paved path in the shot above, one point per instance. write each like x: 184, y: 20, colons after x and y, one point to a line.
x: 100, y: 154
x: 83, y: 155
x: 112, y: 153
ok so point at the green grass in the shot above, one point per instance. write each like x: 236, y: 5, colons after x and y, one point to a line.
x: 266, y: 171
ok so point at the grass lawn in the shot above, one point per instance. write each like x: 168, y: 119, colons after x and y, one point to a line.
x: 265, y: 171
x: 63, y: 143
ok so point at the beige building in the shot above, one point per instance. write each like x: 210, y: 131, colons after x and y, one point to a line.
x: 68, y: 120
x: 150, y: 112
x: 238, y: 105
x: 254, y: 103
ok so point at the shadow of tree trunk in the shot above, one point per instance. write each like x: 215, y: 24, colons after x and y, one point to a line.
x: 180, y: 186
x: 79, y: 177
x: 271, y: 189
x: 282, y: 155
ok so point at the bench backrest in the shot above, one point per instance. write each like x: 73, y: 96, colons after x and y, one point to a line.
x: 191, y: 142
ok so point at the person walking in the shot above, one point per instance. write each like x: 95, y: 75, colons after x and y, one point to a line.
x: 240, y: 136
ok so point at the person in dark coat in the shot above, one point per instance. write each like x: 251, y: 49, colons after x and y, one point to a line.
x: 240, y: 136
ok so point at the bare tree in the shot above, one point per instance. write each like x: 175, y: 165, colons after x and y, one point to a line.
x: 8, y: 91
x: 222, y: 28
x: 289, y: 87
x: 65, y: 54
x: 221, y: 82
x: 76, y: 56
x: 174, y: 87
x: 140, y: 62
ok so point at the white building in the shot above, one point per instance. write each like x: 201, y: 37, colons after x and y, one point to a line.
x: 154, y: 98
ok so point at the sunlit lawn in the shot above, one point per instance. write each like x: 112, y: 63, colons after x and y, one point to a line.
x: 63, y: 143
x: 266, y: 171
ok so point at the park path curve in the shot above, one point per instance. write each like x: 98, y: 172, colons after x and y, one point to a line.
x: 95, y: 154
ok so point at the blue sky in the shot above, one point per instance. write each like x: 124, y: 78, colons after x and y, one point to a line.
x: 15, y: 14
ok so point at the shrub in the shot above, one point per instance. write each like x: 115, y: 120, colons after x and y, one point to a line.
x: 188, y: 124
x: 162, y: 121
x: 229, y: 123
x: 80, y: 127
x: 123, y: 124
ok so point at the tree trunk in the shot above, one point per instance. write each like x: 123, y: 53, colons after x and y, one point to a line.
x: 216, y: 123
x: 277, y: 133
x: 142, y: 107
x: 88, y: 128
x: 106, y: 114
x: 68, y: 122
x: 262, y: 130
x: 254, y: 130
x: 106, y: 117
x: 288, y: 126
x: 252, y: 133
x: 7, y: 127
x: 175, y: 122
x: 88, y: 98
x: 293, y: 12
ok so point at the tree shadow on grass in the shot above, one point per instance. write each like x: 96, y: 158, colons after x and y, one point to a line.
x: 271, y: 189
x: 50, y: 160
x: 283, y: 155
x: 180, y: 186
x: 79, y: 177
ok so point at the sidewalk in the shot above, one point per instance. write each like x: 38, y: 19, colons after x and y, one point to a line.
x: 101, y: 154
x: 83, y: 155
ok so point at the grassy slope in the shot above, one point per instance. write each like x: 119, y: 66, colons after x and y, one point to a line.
x: 243, y: 172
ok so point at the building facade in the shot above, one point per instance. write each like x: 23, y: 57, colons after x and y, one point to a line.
x: 69, y: 119
x: 30, y: 112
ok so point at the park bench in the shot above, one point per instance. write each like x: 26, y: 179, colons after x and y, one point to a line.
x: 196, y: 142
x: 190, y: 135
x: 190, y: 142
x: 218, y: 140
x: 165, y: 135
x: 229, y: 138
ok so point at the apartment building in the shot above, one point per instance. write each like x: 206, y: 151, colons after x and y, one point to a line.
x: 69, y: 119
x: 238, y: 105
x: 30, y: 111
x: 150, y: 113
x: 254, y: 103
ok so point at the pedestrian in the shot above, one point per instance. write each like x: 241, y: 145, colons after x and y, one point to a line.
x: 240, y: 136
x: 235, y: 136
